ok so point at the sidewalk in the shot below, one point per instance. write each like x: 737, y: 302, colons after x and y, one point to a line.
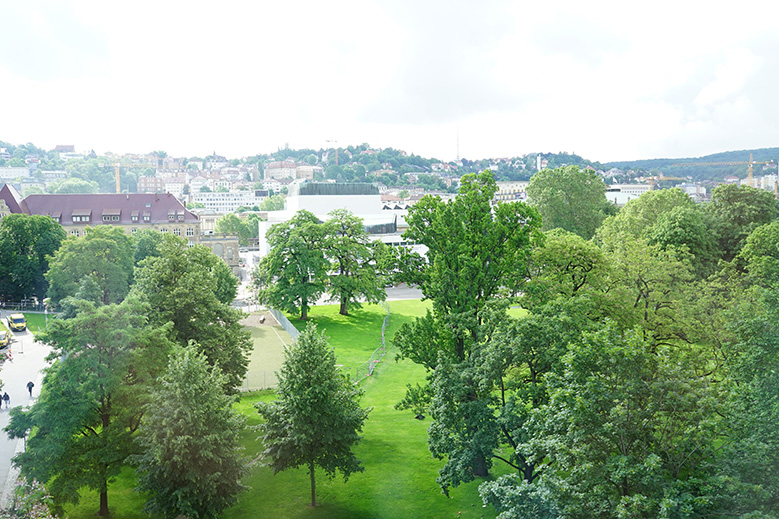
x: 28, y: 361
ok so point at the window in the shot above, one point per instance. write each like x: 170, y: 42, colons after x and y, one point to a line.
x: 177, y: 232
x: 115, y: 218
x: 171, y: 217
x: 164, y: 229
x: 133, y: 230
x: 190, y: 231
x: 146, y: 217
x: 106, y: 218
x: 134, y: 218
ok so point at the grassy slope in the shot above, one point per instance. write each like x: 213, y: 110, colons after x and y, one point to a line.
x: 399, y: 477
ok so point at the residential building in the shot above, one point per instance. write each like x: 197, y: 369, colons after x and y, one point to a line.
x: 10, y: 173
x: 511, y: 190
x: 281, y: 169
x: 229, y: 202
x: 151, y: 185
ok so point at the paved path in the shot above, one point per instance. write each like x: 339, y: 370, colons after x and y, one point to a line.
x: 28, y: 361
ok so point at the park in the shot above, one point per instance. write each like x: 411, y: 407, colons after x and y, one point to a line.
x: 618, y: 365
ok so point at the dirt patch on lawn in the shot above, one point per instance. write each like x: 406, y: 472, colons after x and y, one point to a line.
x: 259, y: 319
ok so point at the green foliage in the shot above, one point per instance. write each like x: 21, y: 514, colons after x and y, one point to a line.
x: 569, y: 198
x: 751, y: 453
x: 190, y: 462
x: 104, y: 253
x: 191, y: 288
x: 92, y: 399
x: 273, y: 203
x: 26, y: 242
x: 355, y: 276
x: 737, y: 211
x: 316, y: 419
x: 247, y: 229
x: 294, y: 273
x: 760, y: 255
x: 563, y: 264
x: 147, y: 243
x: 628, y: 432
x: 639, y: 215
x: 474, y: 252
x: 688, y: 228
x: 73, y: 185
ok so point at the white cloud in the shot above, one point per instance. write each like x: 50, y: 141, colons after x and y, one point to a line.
x: 607, y: 80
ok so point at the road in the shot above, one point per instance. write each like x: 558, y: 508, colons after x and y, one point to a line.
x: 29, y: 358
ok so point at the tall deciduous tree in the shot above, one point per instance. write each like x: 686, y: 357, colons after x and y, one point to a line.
x: 92, y: 402
x: 738, y: 210
x: 189, y: 438
x: 639, y: 215
x: 630, y: 431
x: 317, y: 418
x: 104, y: 253
x: 294, y: 273
x: 26, y: 242
x: 474, y: 252
x: 355, y: 276
x: 569, y: 198
x: 191, y: 288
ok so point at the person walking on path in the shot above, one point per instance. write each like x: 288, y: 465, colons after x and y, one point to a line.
x: 30, y: 385
x: 7, y: 400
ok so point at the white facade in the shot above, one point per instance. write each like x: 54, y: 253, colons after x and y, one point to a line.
x: 631, y: 189
x: 224, y: 203
x: 512, y: 190
x: 9, y: 173
x: 365, y: 203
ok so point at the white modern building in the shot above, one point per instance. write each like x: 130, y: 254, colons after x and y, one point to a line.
x: 320, y: 198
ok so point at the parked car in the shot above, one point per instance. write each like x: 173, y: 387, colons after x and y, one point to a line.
x: 17, y: 323
x: 5, y: 338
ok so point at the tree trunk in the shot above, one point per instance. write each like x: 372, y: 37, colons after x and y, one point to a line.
x: 304, y: 313
x: 480, y: 467
x: 344, y: 308
x: 313, y: 484
x: 103, y: 504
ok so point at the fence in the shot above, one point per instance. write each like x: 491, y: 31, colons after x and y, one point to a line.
x: 284, y: 322
x: 259, y: 380
x: 268, y: 379
x: 365, y: 369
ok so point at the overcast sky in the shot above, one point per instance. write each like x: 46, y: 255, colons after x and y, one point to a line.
x: 606, y: 80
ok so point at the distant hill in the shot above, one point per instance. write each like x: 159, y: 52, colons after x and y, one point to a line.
x: 711, y: 172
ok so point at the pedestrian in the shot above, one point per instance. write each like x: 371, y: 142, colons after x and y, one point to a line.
x: 30, y: 385
x: 7, y: 400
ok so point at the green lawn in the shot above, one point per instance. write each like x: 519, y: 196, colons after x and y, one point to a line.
x: 400, y: 473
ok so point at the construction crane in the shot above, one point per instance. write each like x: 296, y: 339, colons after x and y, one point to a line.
x: 117, y: 165
x: 736, y: 163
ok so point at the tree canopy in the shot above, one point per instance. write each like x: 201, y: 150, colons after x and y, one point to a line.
x: 569, y: 198
x: 104, y: 254
x: 317, y: 418
x: 93, y: 400
x: 190, y: 463
x: 26, y: 243
x: 294, y: 273
x: 191, y: 288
